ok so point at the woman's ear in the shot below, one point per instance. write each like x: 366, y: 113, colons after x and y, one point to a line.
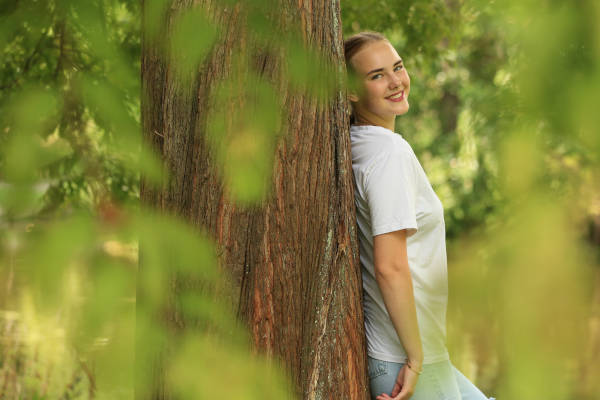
x: 353, y: 87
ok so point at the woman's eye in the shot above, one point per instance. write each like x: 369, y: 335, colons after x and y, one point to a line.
x: 398, y: 67
x: 376, y: 76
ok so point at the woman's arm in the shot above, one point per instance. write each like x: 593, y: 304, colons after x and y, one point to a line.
x: 393, y: 277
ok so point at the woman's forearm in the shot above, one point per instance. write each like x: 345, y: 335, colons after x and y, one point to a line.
x: 396, y: 287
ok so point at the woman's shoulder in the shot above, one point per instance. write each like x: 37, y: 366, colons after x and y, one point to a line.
x: 373, y: 141
x: 374, y: 133
x: 393, y: 150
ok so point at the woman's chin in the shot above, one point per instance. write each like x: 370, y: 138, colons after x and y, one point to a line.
x: 403, y: 109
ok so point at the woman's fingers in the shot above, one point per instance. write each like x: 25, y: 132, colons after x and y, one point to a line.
x: 404, y: 395
x: 404, y: 386
x: 399, y: 382
x: 396, y: 390
x: 408, y: 385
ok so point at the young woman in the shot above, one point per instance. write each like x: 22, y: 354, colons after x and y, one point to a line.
x: 402, y: 237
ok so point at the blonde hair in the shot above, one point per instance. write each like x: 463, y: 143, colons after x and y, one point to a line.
x: 357, y: 41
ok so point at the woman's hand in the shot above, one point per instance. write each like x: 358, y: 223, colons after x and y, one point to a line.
x: 404, y: 386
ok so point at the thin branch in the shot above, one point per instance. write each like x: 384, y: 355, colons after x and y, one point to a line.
x: 61, y: 32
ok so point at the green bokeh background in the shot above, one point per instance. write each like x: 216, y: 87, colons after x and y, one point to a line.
x: 503, y: 119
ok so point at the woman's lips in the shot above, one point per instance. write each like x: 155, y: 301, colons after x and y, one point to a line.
x: 396, y: 97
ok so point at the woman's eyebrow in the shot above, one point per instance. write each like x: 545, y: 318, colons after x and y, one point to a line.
x: 381, y: 69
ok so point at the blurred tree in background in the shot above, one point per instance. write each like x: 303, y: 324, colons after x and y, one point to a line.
x: 76, y: 66
x: 502, y: 118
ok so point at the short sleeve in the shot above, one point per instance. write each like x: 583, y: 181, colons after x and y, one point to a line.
x: 390, y: 187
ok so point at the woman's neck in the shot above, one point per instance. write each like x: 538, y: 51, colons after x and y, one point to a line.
x: 362, y: 119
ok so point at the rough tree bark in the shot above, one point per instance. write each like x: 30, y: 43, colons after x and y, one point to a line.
x: 294, y: 259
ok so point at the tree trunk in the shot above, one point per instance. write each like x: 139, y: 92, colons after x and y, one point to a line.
x: 293, y: 259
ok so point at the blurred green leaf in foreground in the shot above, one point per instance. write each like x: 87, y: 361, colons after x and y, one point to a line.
x: 503, y: 119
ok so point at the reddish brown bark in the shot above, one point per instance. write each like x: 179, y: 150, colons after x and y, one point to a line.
x: 294, y: 259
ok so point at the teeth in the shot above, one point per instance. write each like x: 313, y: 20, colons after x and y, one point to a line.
x: 396, y: 96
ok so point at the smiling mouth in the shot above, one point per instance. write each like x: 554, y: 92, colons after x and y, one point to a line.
x: 396, y: 96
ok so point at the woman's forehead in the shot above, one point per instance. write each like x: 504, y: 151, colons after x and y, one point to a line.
x: 380, y: 54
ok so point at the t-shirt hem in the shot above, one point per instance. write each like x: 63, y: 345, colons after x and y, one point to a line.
x: 411, y: 228
x: 402, y: 358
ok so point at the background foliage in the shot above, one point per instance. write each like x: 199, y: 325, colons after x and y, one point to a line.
x: 502, y: 118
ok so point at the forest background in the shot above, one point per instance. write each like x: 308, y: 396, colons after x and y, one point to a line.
x: 502, y: 119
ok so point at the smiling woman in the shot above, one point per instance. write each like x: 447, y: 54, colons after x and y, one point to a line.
x: 381, y: 78
x: 401, y: 233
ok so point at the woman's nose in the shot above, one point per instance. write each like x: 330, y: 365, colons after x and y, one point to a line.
x: 395, y: 81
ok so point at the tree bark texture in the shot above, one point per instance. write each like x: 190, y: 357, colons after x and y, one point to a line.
x: 293, y: 259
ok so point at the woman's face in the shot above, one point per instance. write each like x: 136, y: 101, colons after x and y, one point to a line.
x: 383, y: 82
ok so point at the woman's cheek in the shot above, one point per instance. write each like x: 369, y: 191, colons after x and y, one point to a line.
x: 375, y: 92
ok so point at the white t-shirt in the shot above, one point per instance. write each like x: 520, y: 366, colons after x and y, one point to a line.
x: 392, y: 193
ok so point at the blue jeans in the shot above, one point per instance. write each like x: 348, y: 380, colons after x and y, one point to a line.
x: 439, y: 381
